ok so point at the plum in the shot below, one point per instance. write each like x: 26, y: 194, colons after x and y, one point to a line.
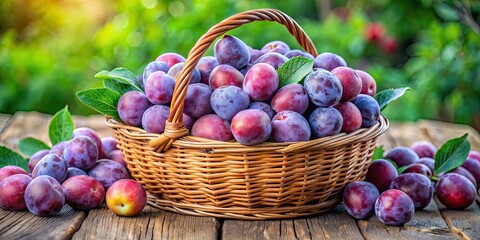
x: 159, y: 88
x: 225, y: 75
x: 154, y: 118
x: 292, y: 97
x: 175, y: 70
x: 455, y: 191
x: 226, y: 101
x: 83, y: 192
x: 474, y: 154
x: 394, y: 207
x: 44, y: 196
x: 273, y: 59
x: 369, y: 85
x: 85, y: 131
x: 155, y: 66
x: 80, y: 152
x: 276, y: 46
x: 261, y: 82
x: 254, y: 54
x: 328, y: 61
x: 418, y: 168
x: 170, y: 58
x: 417, y: 186
x: 424, y: 148
x: 232, y: 51
x: 131, y: 107
x: 429, y: 162
x: 359, y: 199
x: 205, y: 66
x: 251, y: 126
x: 323, y: 88
x: 73, y: 171
x: 188, y: 121
x: 58, y: 148
x: 108, y: 171
x: 264, y: 107
x: 9, y: 170
x: 325, y: 121
x: 109, y: 144
x: 369, y: 109
x: 35, y: 158
x: 473, y: 166
x: 464, y: 172
x: 197, y: 100
x: 290, y: 126
x: 402, y: 156
x: 12, y: 192
x: 351, y: 83
x: 51, y: 165
x: 117, y: 156
x: 352, y: 117
x: 381, y: 173
x: 295, y: 53
x: 213, y: 127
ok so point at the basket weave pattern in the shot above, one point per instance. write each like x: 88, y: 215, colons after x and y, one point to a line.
x: 203, y: 177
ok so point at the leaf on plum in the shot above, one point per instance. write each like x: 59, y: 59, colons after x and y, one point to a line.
x: 294, y: 70
x: 61, y: 126
x: 452, y: 154
x: 121, y: 75
x: 30, y: 145
x: 387, y: 96
x: 10, y: 157
x: 102, y: 100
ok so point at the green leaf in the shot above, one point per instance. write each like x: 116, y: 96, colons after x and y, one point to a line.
x: 401, y: 169
x: 386, y: 96
x: 31, y: 145
x: 122, y: 75
x: 61, y: 126
x: 452, y: 154
x: 102, y: 100
x: 9, y: 157
x: 378, y: 153
x: 117, y: 86
x: 294, y: 70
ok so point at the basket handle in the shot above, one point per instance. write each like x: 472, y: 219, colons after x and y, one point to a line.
x: 174, y: 127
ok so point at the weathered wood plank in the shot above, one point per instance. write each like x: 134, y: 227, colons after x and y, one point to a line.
x: 24, y: 124
x: 4, y: 121
x: 427, y: 223
x: 440, y: 132
x: 334, y: 224
x: 462, y: 223
x: 24, y: 225
x: 150, y: 224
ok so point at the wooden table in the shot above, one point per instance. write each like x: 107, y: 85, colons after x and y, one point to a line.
x: 435, y: 222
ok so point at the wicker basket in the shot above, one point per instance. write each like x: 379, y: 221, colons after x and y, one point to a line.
x: 203, y: 177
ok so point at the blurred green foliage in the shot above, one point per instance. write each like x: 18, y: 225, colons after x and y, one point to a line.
x: 51, y: 49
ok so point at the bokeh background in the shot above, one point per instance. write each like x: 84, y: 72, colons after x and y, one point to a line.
x: 49, y: 49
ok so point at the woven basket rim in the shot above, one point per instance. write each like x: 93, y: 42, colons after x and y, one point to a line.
x: 189, y: 141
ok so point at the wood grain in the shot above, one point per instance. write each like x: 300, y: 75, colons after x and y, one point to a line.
x: 334, y: 224
x: 25, y: 124
x: 150, y: 224
x: 3, y: 121
x: 24, y: 225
